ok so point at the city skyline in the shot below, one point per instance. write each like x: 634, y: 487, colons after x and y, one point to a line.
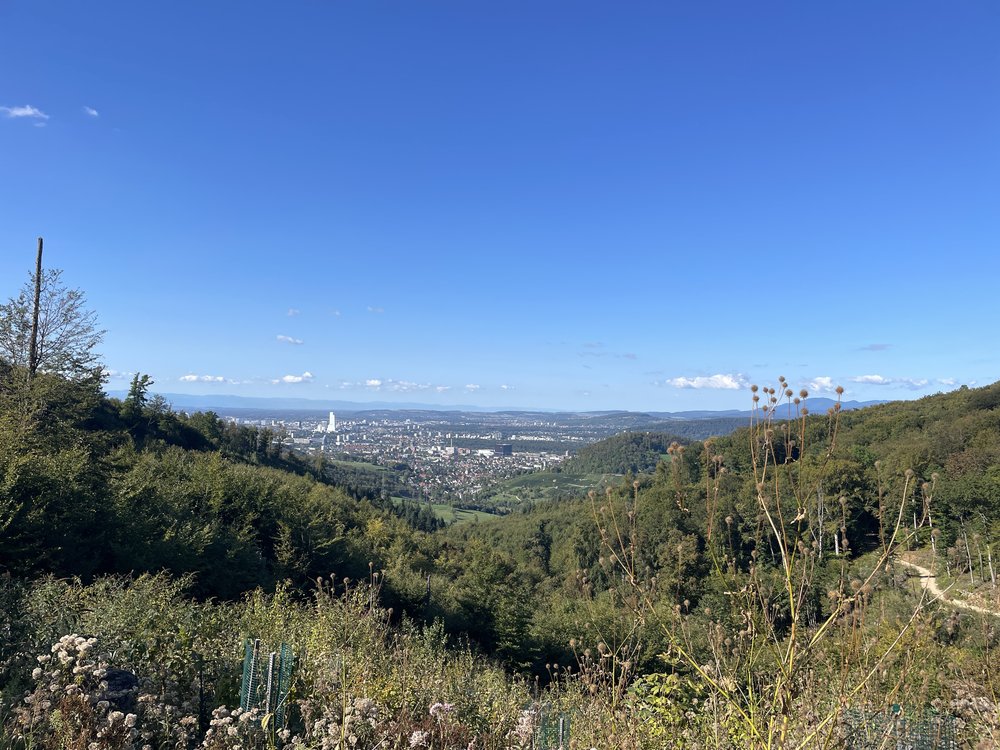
x: 568, y: 205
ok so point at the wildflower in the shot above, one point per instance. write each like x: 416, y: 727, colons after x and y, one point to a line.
x: 419, y: 738
x: 440, y: 710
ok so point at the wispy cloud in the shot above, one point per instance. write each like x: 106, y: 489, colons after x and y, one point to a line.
x: 25, y: 111
x: 289, y: 340
x: 399, y: 386
x: 91, y: 112
x: 305, y: 377
x: 202, y: 378
x: 472, y: 387
x: 721, y: 381
x: 876, y: 347
x: 116, y: 374
x: 335, y: 313
x: 947, y: 381
x: 293, y: 311
x: 389, y: 385
x: 506, y: 387
x: 910, y: 383
x: 376, y: 310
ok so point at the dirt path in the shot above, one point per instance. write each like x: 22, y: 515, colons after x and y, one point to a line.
x: 929, y: 582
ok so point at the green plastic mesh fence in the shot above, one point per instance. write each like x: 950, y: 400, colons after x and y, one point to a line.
x: 267, y: 679
x: 896, y: 727
x: 553, y: 730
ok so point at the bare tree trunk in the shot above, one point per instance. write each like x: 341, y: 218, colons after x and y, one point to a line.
x: 979, y: 551
x: 989, y: 559
x: 33, y: 346
x: 968, y: 554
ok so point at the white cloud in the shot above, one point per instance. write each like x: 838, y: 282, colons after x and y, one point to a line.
x: 947, y: 381
x: 305, y: 377
x: 406, y: 385
x: 25, y: 111
x: 116, y: 374
x: 202, y: 379
x: 472, y: 387
x: 293, y: 311
x: 389, y: 384
x: 722, y: 381
x: 289, y: 339
x: 335, y: 313
x: 506, y: 387
x: 91, y: 112
x: 871, y: 380
x: 376, y: 310
x: 822, y: 384
x: 911, y: 383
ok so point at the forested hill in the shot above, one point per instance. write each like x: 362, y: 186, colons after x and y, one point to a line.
x: 93, y: 485
x: 627, y: 452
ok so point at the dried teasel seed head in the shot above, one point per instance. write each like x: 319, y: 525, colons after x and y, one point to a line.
x: 803, y: 393
x: 754, y: 389
x: 839, y: 390
x: 781, y: 378
x: 909, y: 473
x: 805, y: 410
x: 788, y: 392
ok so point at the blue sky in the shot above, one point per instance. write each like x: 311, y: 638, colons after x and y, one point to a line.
x: 570, y: 204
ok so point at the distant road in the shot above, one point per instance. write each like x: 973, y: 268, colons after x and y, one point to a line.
x: 929, y: 582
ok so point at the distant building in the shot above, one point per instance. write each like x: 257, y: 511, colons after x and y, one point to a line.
x: 503, y: 449
x: 331, y: 426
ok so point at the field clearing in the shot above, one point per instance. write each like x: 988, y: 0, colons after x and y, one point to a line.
x: 550, y: 486
x: 448, y: 514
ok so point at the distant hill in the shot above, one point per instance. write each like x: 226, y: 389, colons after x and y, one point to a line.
x: 725, y: 420
x: 223, y: 401
x: 817, y: 405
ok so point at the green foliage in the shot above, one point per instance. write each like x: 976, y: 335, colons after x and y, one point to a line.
x: 626, y: 453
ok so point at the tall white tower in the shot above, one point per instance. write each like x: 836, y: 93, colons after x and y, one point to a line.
x: 332, y: 425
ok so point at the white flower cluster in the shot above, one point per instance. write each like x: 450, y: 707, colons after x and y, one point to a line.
x: 524, y: 729
x: 75, y: 686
